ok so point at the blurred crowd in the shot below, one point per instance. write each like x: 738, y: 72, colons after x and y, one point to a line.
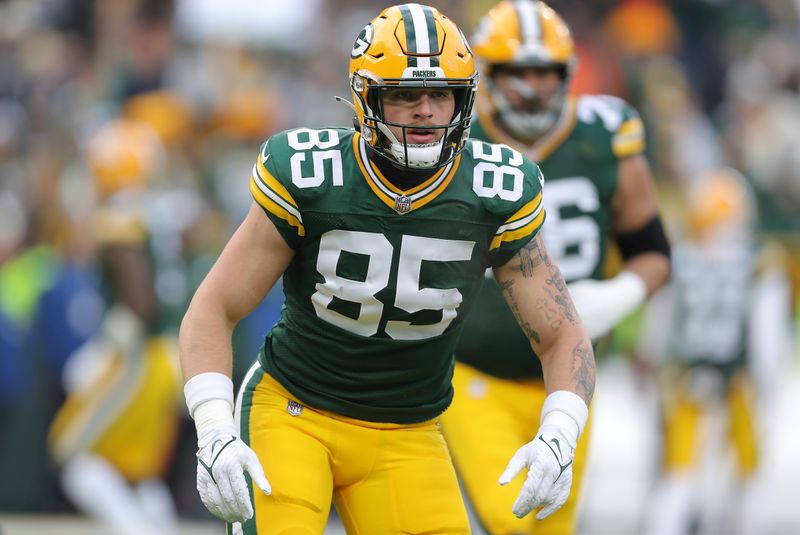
x: 177, y: 95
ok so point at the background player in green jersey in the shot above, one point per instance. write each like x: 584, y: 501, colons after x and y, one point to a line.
x: 382, y: 236
x: 120, y: 419
x: 590, y: 151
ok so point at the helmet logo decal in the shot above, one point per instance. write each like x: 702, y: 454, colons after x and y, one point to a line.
x: 422, y: 38
x: 362, y: 43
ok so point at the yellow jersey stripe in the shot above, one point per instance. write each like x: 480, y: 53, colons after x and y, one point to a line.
x: 274, y: 208
x: 420, y: 195
x: 440, y: 188
x: 529, y: 209
x: 512, y: 235
x: 388, y: 185
x: 388, y: 201
x: 629, y: 138
x: 272, y: 183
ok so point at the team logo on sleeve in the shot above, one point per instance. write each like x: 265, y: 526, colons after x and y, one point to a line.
x: 402, y: 204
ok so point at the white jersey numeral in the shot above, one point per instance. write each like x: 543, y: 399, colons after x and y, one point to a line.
x: 505, y: 181
x: 409, y: 297
x: 313, y: 140
x: 574, y: 242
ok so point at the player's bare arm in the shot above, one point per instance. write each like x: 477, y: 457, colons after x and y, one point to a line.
x: 634, y: 208
x: 254, y: 258
x: 537, y: 295
x: 244, y: 273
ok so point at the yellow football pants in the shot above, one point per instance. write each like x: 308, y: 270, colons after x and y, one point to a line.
x: 682, y: 420
x: 129, y: 415
x: 489, y: 420
x: 383, y: 478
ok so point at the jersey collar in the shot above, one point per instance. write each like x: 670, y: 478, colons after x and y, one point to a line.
x: 402, y: 201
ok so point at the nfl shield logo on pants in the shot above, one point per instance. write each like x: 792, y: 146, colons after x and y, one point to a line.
x: 402, y: 204
x: 294, y: 408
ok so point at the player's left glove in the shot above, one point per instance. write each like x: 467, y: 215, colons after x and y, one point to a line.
x: 548, y: 457
x: 602, y: 304
x: 222, y: 457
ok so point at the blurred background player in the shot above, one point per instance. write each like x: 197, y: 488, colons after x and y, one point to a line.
x: 723, y: 322
x: 114, y: 435
x: 597, y: 180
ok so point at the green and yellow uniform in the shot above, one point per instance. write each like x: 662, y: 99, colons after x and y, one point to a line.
x: 712, y: 296
x: 375, y: 300
x: 126, y: 408
x: 498, y: 378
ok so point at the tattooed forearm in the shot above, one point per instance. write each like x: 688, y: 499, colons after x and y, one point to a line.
x: 535, y: 254
x: 583, y: 370
x: 508, y: 289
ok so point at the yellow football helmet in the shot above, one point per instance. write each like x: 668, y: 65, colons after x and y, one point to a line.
x: 166, y: 112
x: 122, y: 154
x: 516, y: 35
x: 413, y: 46
x: 719, y: 204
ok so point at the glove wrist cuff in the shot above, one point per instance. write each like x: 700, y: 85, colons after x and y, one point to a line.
x: 566, y: 403
x: 205, y: 387
x: 212, y: 418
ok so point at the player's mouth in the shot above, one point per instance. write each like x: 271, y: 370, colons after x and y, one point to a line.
x: 420, y: 136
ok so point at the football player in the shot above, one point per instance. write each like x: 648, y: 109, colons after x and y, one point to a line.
x: 597, y: 183
x: 382, y: 236
x: 725, y: 318
x: 118, y: 425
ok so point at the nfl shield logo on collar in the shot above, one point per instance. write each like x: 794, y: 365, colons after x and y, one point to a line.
x: 402, y: 204
x: 294, y: 408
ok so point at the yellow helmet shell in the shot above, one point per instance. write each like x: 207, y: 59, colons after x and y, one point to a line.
x: 166, y: 112
x: 523, y: 33
x: 123, y: 154
x: 719, y: 199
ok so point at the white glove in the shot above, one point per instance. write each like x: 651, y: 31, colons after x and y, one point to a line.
x: 602, y: 304
x: 222, y: 457
x: 548, y: 457
x: 221, y: 462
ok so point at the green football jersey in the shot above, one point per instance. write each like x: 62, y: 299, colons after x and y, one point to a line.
x: 381, y: 278
x: 579, y: 159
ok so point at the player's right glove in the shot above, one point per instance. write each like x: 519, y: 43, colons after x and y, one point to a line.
x: 548, y: 457
x: 221, y: 462
x: 222, y: 457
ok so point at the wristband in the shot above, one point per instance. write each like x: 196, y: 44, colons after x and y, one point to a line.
x: 568, y: 403
x: 207, y: 386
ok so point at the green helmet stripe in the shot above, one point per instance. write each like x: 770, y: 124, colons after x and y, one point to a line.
x: 421, y: 36
x: 433, y: 37
x: 411, y: 36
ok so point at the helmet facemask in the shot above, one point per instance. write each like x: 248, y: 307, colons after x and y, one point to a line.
x: 369, y: 91
x: 537, y: 114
